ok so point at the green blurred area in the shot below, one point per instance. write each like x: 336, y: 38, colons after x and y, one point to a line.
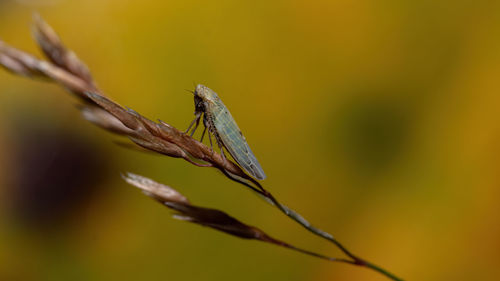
x: 376, y: 120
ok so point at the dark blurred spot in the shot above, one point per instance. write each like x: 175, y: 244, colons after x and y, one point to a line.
x: 57, y: 173
x: 373, y: 132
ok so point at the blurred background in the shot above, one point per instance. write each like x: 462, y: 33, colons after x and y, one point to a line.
x: 376, y: 120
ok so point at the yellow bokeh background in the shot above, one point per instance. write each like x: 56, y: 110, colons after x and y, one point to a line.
x: 378, y: 121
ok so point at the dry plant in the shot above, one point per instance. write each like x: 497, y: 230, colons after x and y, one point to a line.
x: 207, y: 217
x: 66, y: 69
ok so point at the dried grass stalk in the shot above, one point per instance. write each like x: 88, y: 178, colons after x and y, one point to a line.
x: 59, y: 55
x: 66, y: 69
x: 211, y: 218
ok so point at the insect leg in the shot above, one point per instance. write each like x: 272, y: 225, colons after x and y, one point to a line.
x: 219, y: 144
x: 222, y: 153
x: 210, y: 139
x: 195, y: 126
x: 206, y: 124
x: 196, y: 119
x: 203, y: 134
x: 211, y: 130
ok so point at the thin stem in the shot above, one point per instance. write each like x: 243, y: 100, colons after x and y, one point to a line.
x: 355, y: 261
x: 307, y: 225
x: 80, y: 82
x: 381, y: 270
x: 317, y: 255
x: 234, y: 178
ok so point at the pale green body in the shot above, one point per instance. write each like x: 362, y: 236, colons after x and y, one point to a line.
x: 228, y: 132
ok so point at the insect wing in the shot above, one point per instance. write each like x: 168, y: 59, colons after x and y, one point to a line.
x: 234, y: 141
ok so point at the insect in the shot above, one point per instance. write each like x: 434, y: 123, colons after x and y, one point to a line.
x: 220, y: 123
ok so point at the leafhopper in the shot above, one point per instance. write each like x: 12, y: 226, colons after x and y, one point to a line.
x: 220, y: 123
